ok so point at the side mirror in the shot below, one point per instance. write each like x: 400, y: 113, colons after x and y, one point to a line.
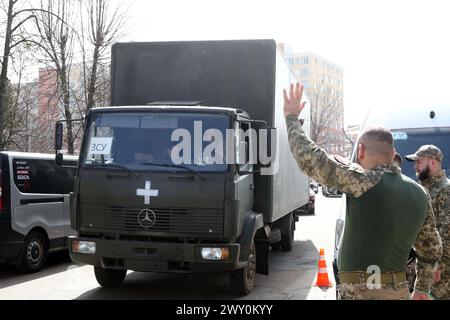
x: 58, y: 136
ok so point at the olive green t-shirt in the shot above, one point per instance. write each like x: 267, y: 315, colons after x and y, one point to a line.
x: 382, y: 225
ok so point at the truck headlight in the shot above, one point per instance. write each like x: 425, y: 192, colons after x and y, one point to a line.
x: 216, y: 254
x: 85, y: 247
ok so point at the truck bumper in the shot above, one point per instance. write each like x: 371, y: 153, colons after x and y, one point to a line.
x: 155, y: 256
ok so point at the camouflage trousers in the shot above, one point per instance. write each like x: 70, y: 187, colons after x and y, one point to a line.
x: 441, y: 290
x: 347, y: 291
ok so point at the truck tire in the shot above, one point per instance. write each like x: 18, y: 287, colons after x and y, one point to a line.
x: 109, y: 277
x: 242, y: 280
x: 34, y: 253
x: 287, y: 239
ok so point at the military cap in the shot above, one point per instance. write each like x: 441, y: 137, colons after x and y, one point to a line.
x: 426, y: 151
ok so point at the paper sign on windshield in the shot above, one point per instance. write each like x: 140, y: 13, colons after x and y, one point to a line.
x: 100, y: 146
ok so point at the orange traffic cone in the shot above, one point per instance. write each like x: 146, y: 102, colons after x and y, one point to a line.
x: 322, y: 276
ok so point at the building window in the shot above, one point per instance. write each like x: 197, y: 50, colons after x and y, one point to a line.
x: 304, y: 72
x: 305, y: 60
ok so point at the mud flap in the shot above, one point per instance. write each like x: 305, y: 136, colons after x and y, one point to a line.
x: 262, y: 256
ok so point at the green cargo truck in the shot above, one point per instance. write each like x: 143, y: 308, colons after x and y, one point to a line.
x: 189, y: 170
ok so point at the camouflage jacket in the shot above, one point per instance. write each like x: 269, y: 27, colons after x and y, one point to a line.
x: 439, y: 189
x: 354, y: 180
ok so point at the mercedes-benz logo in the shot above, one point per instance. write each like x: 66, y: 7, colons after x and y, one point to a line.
x: 146, y: 218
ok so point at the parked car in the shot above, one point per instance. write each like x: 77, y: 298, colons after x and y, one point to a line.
x: 314, y: 187
x: 331, y: 192
x: 312, y: 201
x: 309, y: 208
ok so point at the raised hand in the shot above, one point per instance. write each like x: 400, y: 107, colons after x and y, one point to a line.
x: 292, y: 103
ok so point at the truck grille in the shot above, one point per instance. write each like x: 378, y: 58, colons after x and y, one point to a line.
x: 172, y: 220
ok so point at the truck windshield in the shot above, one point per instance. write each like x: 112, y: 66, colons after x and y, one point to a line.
x: 407, y: 142
x: 170, y: 141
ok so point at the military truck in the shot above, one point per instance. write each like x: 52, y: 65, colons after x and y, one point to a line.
x: 218, y: 107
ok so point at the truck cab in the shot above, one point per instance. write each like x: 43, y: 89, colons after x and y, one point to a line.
x: 130, y: 187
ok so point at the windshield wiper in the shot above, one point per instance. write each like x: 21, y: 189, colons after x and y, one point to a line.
x: 166, y: 165
x: 115, y: 165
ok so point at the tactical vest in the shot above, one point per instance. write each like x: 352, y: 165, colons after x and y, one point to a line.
x: 382, y: 225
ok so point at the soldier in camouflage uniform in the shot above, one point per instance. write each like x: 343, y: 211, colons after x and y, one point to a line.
x: 428, y: 165
x: 411, y: 265
x: 387, y: 213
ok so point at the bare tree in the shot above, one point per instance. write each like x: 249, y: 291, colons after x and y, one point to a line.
x: 54, y: 34
x: 20, y: 107
x: 352, y: 142
x: 56, y: 38
x: 9, y: 115
x: 325, y: 111
x: 28, y: 104
x: 9, y: 9
x: 104, y: 26
x: 17, y: 16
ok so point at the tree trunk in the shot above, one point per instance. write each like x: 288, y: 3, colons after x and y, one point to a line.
x: 66, y: 97
x: 4, y: 72
x: 93, y: 79
x: 67, y: 112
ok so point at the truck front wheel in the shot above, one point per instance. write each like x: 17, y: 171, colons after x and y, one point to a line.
x: 109, y: 277
x: 242, y: 280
